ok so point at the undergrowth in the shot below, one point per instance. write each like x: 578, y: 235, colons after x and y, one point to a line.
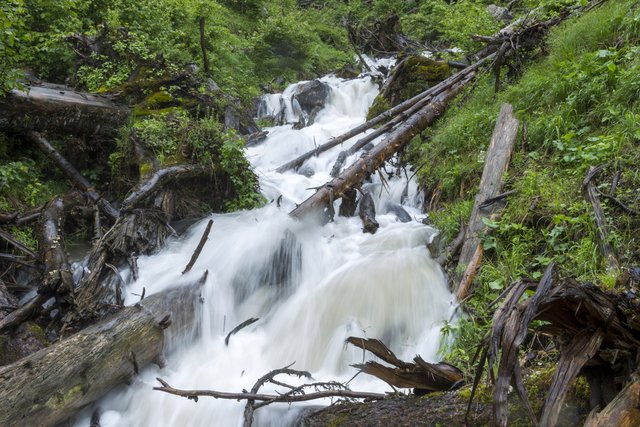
x: 579, y: 104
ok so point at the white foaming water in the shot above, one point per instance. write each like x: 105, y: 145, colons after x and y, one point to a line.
x: 312, y: 286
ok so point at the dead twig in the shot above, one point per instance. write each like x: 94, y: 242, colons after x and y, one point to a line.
x: 239, y: 327
x: 196, y: 253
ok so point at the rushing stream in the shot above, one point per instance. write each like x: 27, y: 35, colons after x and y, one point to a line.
x: 312, y: 286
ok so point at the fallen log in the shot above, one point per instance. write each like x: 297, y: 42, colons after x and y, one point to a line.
x: 47, y: 387
x: 141, y: 231
x: 73, y: 175
x: 431, y: 92
x: 59, y: 109
x: 422, y: 376
x: 357, y: 172
x: 591, y: 195
x: 496, y: 164
x: 142, y: 228
x: 58, y: 278
x: 386, y: 128
x: 149, y: 187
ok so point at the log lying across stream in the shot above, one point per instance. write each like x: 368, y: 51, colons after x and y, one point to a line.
x: 404, y: 107
x: 51, y: 385
x: 356, y: 173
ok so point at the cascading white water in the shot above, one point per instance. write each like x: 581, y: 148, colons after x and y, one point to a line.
x: 333, y: 281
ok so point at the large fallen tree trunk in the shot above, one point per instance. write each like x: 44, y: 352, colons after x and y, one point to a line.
x: 496, y: 164
x: 62, y: 110
x: 47, y: 387
x: 357, y: 172
x: 387, y: 115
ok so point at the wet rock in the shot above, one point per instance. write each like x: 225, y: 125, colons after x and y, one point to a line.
x: 337, y: 166
x: 368, y: 214
x: 434, y: 245
x: 312, y: 116
x: 231, y: 119
x: 297, y: 110
x: 212, y: 86
x: 307, y: 171
x: 398, y: 210
x: 348, y: 71
x: 256, y: 138
x: 26, y: 339
x: 410, y: 77
x: 348, y: 205
x: 499, y: 13
x: 311, y: 95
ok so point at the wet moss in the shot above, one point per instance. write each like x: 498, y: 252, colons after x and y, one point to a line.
x: 38, y: 333
x: 379, y: 106
x: 414, y: 75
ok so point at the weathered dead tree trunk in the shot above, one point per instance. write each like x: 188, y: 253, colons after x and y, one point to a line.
x: 57, y: 277
x: 73, y: 175
x: 496, y: 164
x: 599, y: 330
x: 387, y: 115
x: 49, y: 386
x: 590, y: 193
x: 59, y: 109
x: 147, y: 189
x: 623, y: 411
x: 357, y: 172
x: 422, y: 376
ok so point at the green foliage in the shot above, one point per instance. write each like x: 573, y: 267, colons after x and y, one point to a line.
x: 22, y: 186
x: 177, y: 138
x: 457, y: 26
x: 236, y: 166
x: 11, y: 38
x: 580, y: 105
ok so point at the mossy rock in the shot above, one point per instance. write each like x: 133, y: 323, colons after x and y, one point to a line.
x: 412, y: 76
x: 379, y: 106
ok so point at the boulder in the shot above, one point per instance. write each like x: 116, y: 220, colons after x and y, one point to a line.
x: 499, y: 13
x: 311, y: 94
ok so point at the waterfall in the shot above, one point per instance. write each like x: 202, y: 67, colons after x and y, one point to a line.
x: 312, y: 286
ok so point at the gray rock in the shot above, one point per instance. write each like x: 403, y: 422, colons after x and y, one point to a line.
x: 400, y: 213
x: 311, y: 94
x: 306, y: 171
x: 499, y: 13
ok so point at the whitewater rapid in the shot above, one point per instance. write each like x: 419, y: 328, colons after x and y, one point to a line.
x: 336, y: 282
